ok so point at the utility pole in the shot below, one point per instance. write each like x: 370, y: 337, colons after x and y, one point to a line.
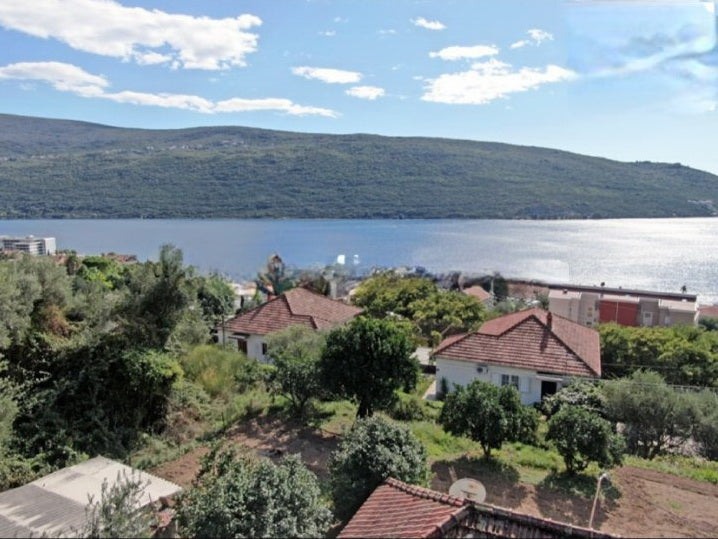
x: 601, y: 477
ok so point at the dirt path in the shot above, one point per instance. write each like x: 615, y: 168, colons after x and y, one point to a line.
x: 651, y: 503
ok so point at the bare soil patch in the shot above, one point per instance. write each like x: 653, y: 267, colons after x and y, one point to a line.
x: 648, y: 503
x: 267, y: 436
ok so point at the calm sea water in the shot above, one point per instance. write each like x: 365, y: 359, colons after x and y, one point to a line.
x: 655, y: 254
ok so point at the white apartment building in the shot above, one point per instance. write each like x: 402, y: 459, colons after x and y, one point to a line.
x: 28, y: 244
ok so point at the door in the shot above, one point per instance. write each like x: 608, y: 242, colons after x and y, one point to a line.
x: 547, y: 388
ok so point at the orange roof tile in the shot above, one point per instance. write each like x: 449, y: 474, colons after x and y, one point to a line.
x: 297, y: 306
x: 477, y: 292
x: 532, y: 339
x: 396, y: 509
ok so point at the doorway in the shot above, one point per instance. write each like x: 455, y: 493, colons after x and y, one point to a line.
x: 548, y: 388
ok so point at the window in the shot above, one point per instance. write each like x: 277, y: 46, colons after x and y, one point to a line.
x: 510, y: 379
x: 264, y: 348
x: 242, y: 345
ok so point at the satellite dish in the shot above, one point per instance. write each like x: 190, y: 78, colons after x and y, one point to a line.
x: 468, y: 488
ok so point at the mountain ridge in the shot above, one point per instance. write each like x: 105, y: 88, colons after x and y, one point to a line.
x: 70, y: 169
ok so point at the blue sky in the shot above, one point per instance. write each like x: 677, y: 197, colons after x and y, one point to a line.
x: 625, y: 80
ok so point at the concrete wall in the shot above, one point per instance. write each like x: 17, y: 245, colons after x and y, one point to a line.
x: 254, y: 344
x: 462, y: 373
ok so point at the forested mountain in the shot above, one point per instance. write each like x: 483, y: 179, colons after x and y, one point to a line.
x: 67, y: 169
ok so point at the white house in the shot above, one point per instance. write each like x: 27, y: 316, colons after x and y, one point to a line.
x: 533, y: 350
x: 297, y: 306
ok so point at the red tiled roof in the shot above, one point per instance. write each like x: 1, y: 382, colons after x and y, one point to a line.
x: 477, y: 292
x: 396, y: 509
x: 297, y: 306
x: 532, y: 339
x: 708, y: 311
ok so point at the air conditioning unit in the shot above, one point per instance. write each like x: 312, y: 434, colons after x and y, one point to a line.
x: 480, y: 369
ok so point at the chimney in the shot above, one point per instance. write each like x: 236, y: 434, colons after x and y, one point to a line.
x: 549, y: 319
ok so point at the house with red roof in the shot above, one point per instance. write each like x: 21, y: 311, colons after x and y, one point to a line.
x: 534, y: 350
x: 397, y: 509
x: 298, y: 306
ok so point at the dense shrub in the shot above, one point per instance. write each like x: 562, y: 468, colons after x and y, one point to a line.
x: 579, y: 393
x: 372, y: 451
x: 220, y: 371
x: 582, y: 437
x: 241, y: 496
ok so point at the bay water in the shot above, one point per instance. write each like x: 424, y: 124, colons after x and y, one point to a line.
x: 652, y: 254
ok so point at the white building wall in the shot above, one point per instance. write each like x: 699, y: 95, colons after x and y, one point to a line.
x: 255, y: 344
x: 461, y: 373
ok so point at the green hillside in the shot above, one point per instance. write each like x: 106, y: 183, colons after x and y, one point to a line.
x: 67, y: 169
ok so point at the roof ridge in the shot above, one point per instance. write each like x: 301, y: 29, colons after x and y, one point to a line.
x: 428, y: 494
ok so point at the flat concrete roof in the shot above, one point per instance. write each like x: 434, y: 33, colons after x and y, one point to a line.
x: 55, y: 504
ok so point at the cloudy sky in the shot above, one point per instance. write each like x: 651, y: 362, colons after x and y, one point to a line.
x: 629, y: 80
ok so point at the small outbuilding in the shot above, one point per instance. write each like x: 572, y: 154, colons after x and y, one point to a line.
x: 54, y: 505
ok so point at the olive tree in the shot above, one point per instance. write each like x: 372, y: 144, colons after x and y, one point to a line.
x: 295, y: 352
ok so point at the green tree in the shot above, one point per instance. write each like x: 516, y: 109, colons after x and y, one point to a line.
x: 444, y: 313
x: 706, y: 428
x: 216, y: 297
x: 367, y: 361
x: 655, y: 416
x: 239, y: 496
x: 582, y: 437
x: 487, y: 414
x: 388, y: 292
x: 120, y: 511
x: 295, y: 352
x: 372, y: 451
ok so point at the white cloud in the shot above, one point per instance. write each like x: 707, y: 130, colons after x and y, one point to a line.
x: 490, y: 80
x: 366, y: 92
x: 536, y: 37
x: 108, y: 28
x: 63, y: 77
x: 328, y: 33
x: 387, y: 32
x: 70, y: 78
x: 429, y: 25
x: 331, y: 76
x: 458, y: 53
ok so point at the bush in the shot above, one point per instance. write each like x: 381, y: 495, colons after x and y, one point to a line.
x: 582, y: 437
x: 409, y: 408
x: 578, y: 393
x: 372, y: 451
x: 241, y: 496
x: 220, y: 371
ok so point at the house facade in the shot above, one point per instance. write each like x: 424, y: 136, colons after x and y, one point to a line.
x: 590, y: 305
x: 533, y: 350
x: 248, y: 330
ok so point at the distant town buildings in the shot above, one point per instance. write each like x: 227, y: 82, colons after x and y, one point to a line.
x: 28, y: 244
x: 592, y: 305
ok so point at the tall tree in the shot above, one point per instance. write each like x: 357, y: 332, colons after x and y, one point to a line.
x: 367, y: 361
x: 295, y: 352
